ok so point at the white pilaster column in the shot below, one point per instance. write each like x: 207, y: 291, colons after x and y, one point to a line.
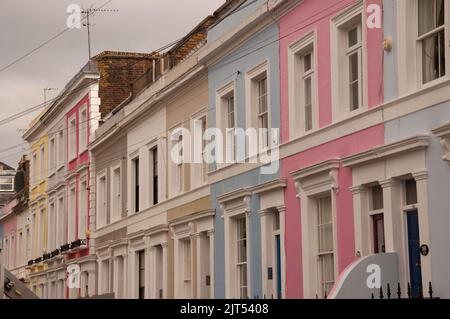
x: 361, y: 223
x: 177, y: 267
x: 265, y: 253
x: 193, y: 275
x: 125, y: 277
x: 282, y: 212
x: 424, y: 226
x: 152, y: 279
x: 199, y: 268
x: 165, y: 270
x: 92, y: 283
x: 393, y: 223
x: 227, y: 244
x: 211, y: 263
x: 147, y: 271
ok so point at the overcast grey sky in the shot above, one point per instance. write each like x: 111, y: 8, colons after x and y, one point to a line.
x: 140, y: 25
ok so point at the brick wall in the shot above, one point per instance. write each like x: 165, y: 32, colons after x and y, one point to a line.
x: 118, y: 70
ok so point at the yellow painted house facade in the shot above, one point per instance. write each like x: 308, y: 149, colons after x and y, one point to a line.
x: 38, y: 197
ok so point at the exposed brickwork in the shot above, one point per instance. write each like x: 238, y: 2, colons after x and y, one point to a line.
x: 118, y: 70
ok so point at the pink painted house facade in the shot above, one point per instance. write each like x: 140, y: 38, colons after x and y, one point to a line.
x: 331, y: 66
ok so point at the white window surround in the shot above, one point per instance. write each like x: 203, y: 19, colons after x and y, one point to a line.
x: 42, y: 172
x: 251, y: 101
x: 61, y: 148
x: 177, y: 170
x: 72, y: 138
x: 410, y: 65
x: 52, y: 161
x: 221, y: 110
x: 313, y: 183
x: 6, y: 183
x: 101, y: 196
x: 72, y: 211
x: 235, y: 205
x: 116, y: 189
x: 83, y: 201
x: 339, y: 62
x: 198, y: 148
x: 390, y: 165
x: 306, y: 44
x: 155, y: 144
x: 83, y: 124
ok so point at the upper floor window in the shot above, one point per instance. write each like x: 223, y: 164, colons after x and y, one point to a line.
x: 102, y: 201
x: 302, y: 86
x: 199, y: 167
x: 348, y: 62
x: 354, y: 65
x: 135, y: 184
x: 263, y: 113
x: 42, y: 163
x: 257, y: 105
x: 431, y: 22
x: 116, y: 193
x: 83, y: 123
x: 52, y: 155
x: 34, y: 168
x: 72, y: 138
x: 154, y: 174
x: 226, y: 121
x: 61, y: 147
x: 6, y: 184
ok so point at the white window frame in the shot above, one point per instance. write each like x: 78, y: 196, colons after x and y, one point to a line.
x: 296, y: 76
x: 42, y: 163
x: 72, y: 211
x: 150, y: 148
x: 51, y: 225
x: 222, y: 96
x: 52, y: 156
x: 61, y: 148
x: 11, y: 189
x: 116, y: 207
x: 341, y: 24
x: 198, y: 149
x: 61, y: 220
x: 72, y: 138
x: 34, y: 161
x: 177, y: 170
x: 102, y: 199
x: 420, y: 38
x: 83, y: 129
x: 83, y: 207
x: 252, y: 103
x: 132, y: 177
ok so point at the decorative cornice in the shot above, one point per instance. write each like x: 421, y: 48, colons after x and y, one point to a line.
x: 389, y: 150
x: 269, y: 186
x: 316, y: 169
x: 234, y: 195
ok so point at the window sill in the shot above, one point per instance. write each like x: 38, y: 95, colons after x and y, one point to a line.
x: 82, y: 151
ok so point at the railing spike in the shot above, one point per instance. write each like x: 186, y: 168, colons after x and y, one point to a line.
x: 430, y: 290
x: 420, y: 292
x: 388, y: 291
x: 373, y: 297
x: 409, y: 291
x: 381, y: 293
x: 399, y: 291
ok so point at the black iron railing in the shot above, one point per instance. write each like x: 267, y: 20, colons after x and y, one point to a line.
x: 388, y: 293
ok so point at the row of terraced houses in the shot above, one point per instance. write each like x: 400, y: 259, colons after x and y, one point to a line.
x: 354, y: 96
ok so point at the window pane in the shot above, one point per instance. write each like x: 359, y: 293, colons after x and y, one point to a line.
x: 325, y: 225
x: 440, y: 14
x: 433, y: 57
x: 377, y: 197
x: 308, y: 104
x: 426, y: 12
x: 353, y: 37
x: 411, y: 192
x: 307, y: 62
x: 327, y: 272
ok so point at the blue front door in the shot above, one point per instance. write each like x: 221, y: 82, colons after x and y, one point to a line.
x: 415, y: 272
x: 278, y: 248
